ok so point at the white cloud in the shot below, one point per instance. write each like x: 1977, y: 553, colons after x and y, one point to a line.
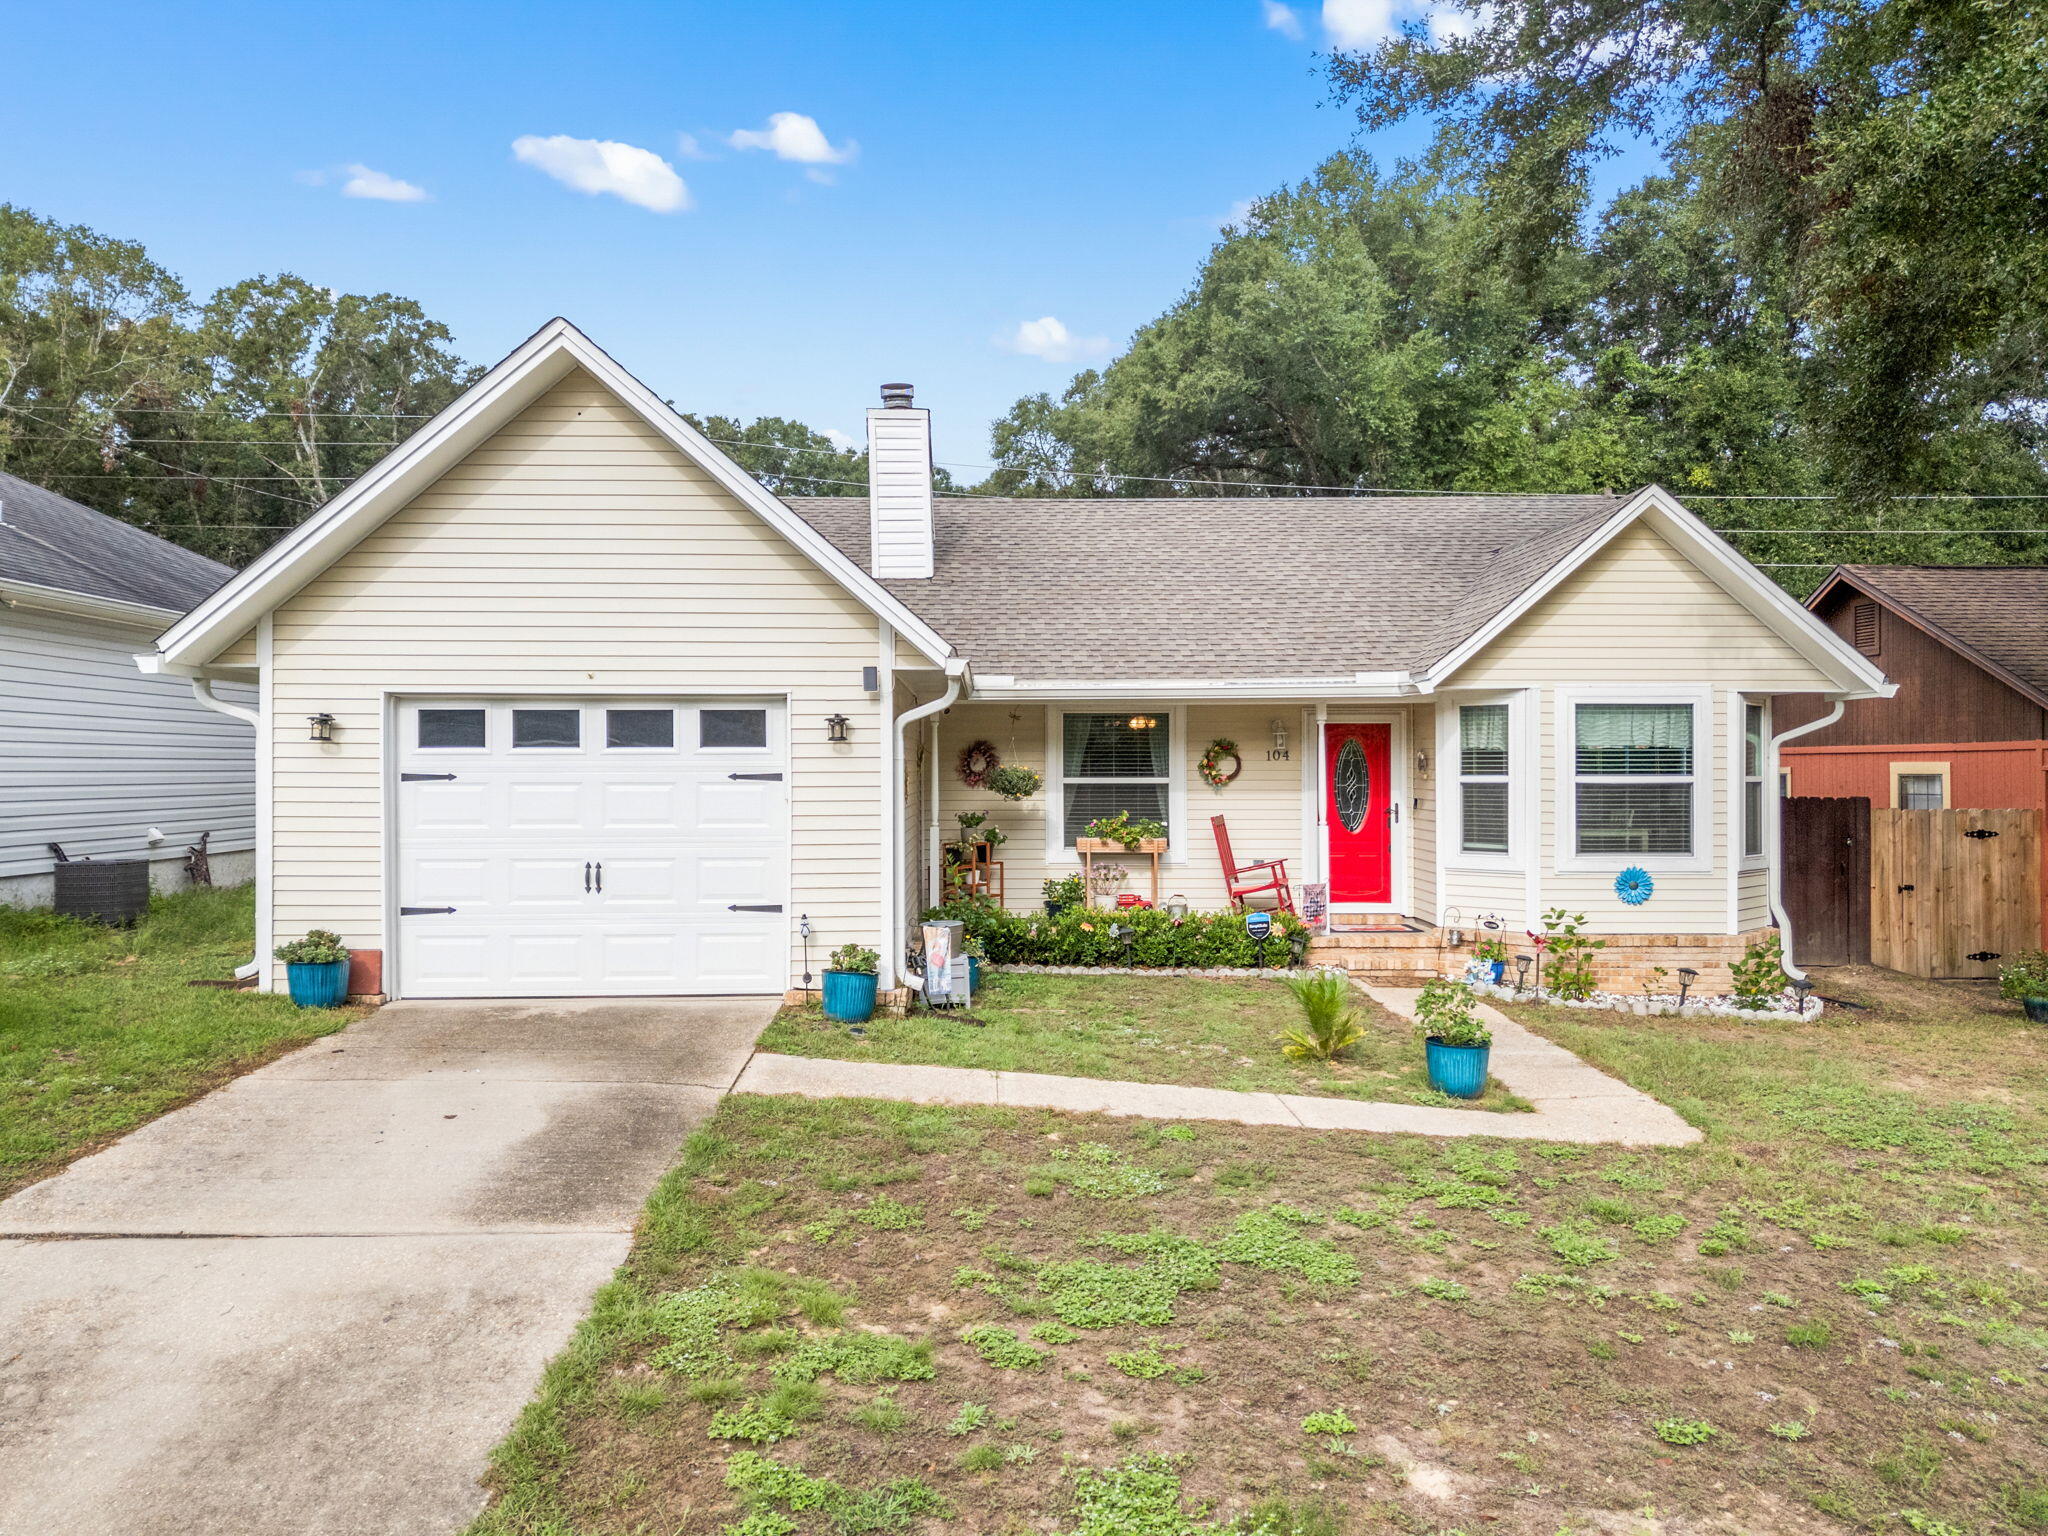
x: 1049, y: 339
x: 1358, y: 23
x: 1450, y: 26
x: 792, y: 136
x: 1283, y: 19
x: 1239, y: 212
x: 838, y: 439
x: 364, y: 182
x: 690, y: 147
x: 598, y: 166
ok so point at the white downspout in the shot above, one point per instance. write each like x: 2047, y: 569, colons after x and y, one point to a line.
x: 202, y: 690
x: 1774, y: 839
x: 892, y: 803
x: 955, y: 671
x: 931, y: 836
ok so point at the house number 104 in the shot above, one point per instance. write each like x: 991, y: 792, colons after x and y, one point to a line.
x: 1276, y: 755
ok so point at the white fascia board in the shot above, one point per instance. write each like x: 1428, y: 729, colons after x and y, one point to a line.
x: 1390, y: 685
x: 112, y: 610
x: 1768, y: 602
x: 533, y: 367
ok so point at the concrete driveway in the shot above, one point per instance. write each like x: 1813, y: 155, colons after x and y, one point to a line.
x: 312, y: 1301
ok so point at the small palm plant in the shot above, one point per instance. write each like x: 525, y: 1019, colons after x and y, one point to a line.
x: 1329, y: 1022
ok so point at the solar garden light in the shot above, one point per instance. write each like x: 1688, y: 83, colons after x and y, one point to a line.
x: 1125, y: 935
x: 1522, y: 964
x: 1686, y: 977
x: 1802, y: 989
x: 1297, y: 945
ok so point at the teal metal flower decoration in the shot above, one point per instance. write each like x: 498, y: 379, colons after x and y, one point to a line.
x: 1634, y: 886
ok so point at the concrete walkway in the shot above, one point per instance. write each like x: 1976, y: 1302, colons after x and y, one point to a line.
x: 311, y: 1302
x: 1574, y: 1102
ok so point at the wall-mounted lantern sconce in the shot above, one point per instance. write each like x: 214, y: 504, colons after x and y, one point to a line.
x: 1422, y: 765
x: 1279, y: 730
x: 835, y: 727
x: 322, y: 727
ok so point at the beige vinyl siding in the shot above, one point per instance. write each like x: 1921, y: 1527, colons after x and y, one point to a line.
x: 240, y: 654
x: 1639, y: 614
x: 1752, y: 900
x: 575, y: 552
x: 1262, y: 807
x: 1419, y: 817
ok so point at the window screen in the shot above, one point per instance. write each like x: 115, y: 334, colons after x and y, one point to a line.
x: 732, y: 728
x: 451, y: 728
x: 1485, y: 818
x: 639, y: 728
x: 1920, y: 792
x: 547, y: 728
x: 1483, y: 771
x: 1635, y: 818
x: 1110, y: 765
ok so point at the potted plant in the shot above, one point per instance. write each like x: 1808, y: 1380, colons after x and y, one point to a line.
x: 1132, y: 834
x: 316, y: 969
x: 1102, y: 882
x: 975, y: 954
x: 1493, y: 954
x: 850, y: 984
x: 2025, y: 981
x: 1064, y: 893
x: 1455, y: 1043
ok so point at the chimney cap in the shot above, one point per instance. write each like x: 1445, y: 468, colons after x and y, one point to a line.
x: 896, y: 397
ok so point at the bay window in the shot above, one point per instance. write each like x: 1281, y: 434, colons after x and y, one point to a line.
x: 1633, y: 779
x: 1111, y: 763
x: 1483, y: 776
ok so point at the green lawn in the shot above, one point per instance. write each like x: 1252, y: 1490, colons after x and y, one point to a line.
x: 1830, y: 1316
x: 1201, y: 1031
x: 99, y: 1030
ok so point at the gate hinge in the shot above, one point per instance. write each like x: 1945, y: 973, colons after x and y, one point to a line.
x: 1983, y: 955
x: 1980, y: 832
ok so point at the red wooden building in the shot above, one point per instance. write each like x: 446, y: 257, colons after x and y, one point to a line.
x: 1968, y: 729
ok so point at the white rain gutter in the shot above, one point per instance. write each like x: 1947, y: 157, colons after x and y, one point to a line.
x: 956, y: 678
x: 202, y: 690
x: 1776, y: 842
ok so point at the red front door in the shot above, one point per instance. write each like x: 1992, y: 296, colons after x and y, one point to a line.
x: 1359, y: 812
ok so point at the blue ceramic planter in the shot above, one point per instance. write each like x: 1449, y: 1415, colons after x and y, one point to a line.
x: 318, y: 986
x: 2037, y: 1009
x: 974, y: 973
x: 1459, y: 1070
x: 850, y: 996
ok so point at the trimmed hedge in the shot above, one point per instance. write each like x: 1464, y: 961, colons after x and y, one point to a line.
x: 1079, y: 937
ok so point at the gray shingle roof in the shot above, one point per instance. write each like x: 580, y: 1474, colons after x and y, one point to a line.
x: 49, y: 541
x: 1244, y: 587
x: 1999, y: 612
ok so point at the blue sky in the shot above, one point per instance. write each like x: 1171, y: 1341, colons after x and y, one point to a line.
x: 965, y: 170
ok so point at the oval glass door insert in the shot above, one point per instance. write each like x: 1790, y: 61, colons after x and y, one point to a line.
x: 1353, y: 786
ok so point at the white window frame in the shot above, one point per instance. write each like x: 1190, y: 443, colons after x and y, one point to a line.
x: 1570, y: 860
x: 1739, y: 769
x: 1057, y: 849
x: 1522, y: 749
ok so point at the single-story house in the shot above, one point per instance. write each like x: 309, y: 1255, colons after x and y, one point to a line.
x: 556, y: 699
x: 1968, y: 730
x: 95, y: 757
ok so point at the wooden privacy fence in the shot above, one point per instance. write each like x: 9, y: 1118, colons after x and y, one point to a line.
x: 1826, y: 851
x: 1952, y: 893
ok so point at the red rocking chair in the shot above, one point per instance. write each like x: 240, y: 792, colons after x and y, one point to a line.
x: 1250, y: 879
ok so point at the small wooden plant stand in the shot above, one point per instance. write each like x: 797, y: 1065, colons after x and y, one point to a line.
x: 975, y: 872
x: 1093, y: 848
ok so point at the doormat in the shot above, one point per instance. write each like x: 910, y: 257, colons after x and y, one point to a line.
x: 1339, y: 923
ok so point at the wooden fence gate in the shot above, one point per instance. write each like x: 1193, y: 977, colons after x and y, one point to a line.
x: 1825, y: 845
x: 1953, y: 892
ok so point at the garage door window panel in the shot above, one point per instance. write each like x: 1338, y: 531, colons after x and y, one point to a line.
x: 732, y: 730
x: 640, y: 730
x: 440, y: 730
x: 545, y: 728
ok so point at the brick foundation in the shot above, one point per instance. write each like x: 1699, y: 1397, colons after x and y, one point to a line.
x: 1625, y: 965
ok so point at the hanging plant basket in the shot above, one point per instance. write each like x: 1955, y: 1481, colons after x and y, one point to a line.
x: 1015, y: 782
x: 1220, y: 764
x: 978, y: 762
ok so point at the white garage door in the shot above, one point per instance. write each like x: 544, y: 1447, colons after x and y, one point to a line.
x: 566, y: 848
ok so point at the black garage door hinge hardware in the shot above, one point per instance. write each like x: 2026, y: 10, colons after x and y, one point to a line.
x: 414, y: 778
x: 776, y: 777
x: 420, y: 911
x: 739, y: 906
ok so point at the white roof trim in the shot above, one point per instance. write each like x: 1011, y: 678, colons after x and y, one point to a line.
x: 1360, y: 685
x: 1770, y: 604
x: 538, y: 363
x: 28, y: 594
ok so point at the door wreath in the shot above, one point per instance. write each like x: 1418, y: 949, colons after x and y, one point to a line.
x: 977, y: 762
x: 1220, y: 764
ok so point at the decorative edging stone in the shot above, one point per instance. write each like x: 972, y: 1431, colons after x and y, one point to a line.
x: 1245, y: 972
x: 1657, y: 1005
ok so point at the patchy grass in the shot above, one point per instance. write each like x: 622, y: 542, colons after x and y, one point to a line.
x: 1134, y: 1327
x: 1201, y: 1031
x: 100, y: 1032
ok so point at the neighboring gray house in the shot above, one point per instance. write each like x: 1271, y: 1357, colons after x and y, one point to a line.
x: 94, y: 755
